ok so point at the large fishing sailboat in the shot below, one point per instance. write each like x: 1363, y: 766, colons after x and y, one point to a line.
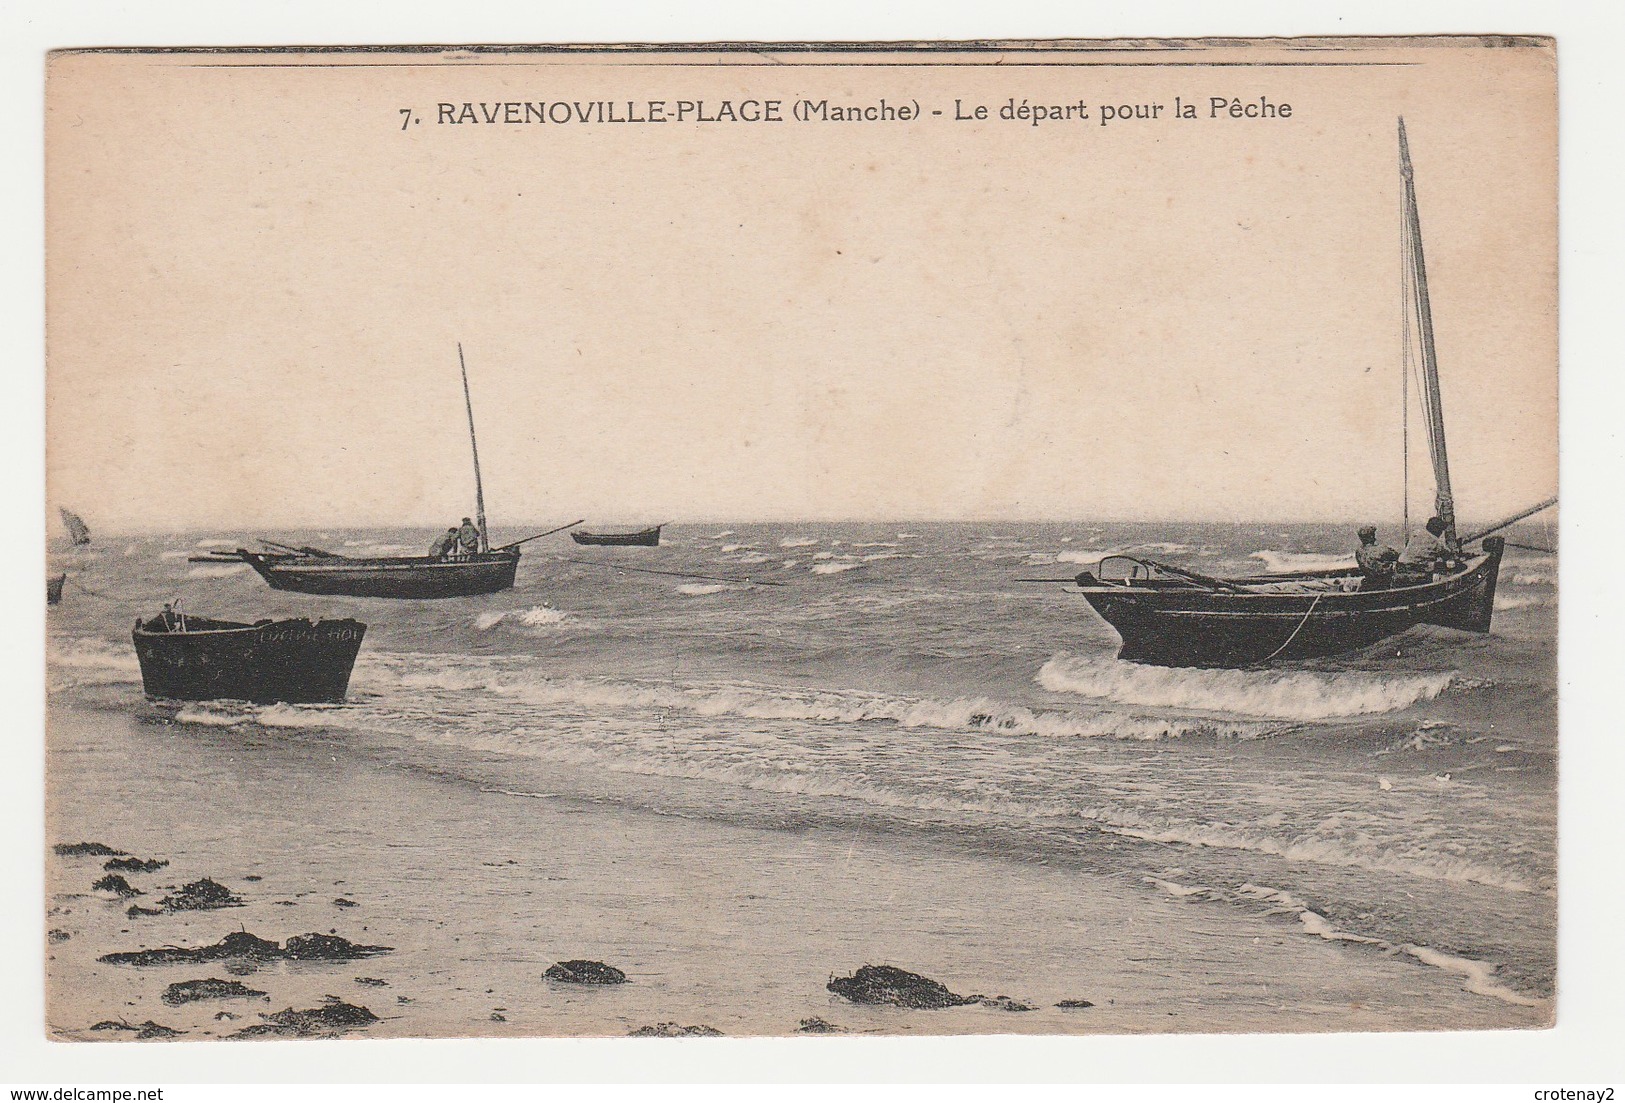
x: 308, y: 570
x: 1170, y: 616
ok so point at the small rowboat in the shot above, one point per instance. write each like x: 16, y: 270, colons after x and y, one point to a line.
x: 189, y: 658
x: 643, y: 538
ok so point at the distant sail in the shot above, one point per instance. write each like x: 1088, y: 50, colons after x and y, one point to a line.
x: 76, y: 526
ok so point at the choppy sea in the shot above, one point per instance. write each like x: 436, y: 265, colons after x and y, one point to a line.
x: 902, y: 682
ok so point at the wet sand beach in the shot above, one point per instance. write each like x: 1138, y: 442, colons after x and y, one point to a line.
x: 734, y: 927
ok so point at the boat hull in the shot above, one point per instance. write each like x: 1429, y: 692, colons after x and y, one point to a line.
x: 292, y: 661
x: 647, y: 538
x: 411, y: 577
x: 1194, y: 627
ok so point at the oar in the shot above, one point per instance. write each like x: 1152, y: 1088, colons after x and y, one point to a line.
x: 673, y: 574
x: 538, y: 536
x: 1514, y: 519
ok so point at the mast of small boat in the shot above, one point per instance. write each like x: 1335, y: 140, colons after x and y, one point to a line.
x: 1444, y: 500
x: 474, y: 445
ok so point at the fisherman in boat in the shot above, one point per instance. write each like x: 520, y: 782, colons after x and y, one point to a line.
x: 1426, y: 553
x: 468, y: 539
x: 443, y: 547
x: 1376, y: 561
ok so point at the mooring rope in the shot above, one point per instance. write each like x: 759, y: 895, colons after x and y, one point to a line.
x: 1309, y: 613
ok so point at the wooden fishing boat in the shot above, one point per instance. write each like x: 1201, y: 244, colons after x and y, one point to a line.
x: 308, y: 570
x: 1171, y: 616
x: 643, y: 538
x: 189, y: 658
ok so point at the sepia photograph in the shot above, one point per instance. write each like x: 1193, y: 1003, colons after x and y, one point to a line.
x: 925, y: 538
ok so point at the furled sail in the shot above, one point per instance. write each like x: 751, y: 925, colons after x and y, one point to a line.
x: 1419, y: 309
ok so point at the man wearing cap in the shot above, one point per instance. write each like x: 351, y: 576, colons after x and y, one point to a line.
x: 1424, y: 554
x: 468, y: 538
x: 443, y: 547
x: 1376, y: 561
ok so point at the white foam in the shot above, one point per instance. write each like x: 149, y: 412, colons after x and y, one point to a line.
x: 1507, y: 602
x: 700, y: 589
x: 736, y: 547
x: 1283, y: 695
x: 215, y: 542
x: 208, y: 717
x: 1277, y: 562
x: 1478, y: 974
x: 748, y: 558
x: 834, y: 567
x: 537, y: 616
x: 222, y: 570
x: 798, y: 541
x: 1533, y: 578
x: 295, y: 716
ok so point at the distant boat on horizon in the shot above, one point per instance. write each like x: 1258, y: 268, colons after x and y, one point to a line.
x: 642, y: 538
x: 78, y: 531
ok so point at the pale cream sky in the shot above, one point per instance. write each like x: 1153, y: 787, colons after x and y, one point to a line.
x: 257, y: 280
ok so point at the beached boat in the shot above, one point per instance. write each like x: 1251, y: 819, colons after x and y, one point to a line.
x: 191, y: 658
x: 1170, y: 616
x: 309, y: 570
x: 643, y: 538
x: 78, y: 531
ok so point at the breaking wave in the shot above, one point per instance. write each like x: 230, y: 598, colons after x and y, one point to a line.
x: 700, y: 589
x: 1283, y: 695
x: 537, y: 616
x: 1278, y: 562
x: 223, y: 570
x: 834, y: 567
x: 768, y: 702
x: 798, y: 541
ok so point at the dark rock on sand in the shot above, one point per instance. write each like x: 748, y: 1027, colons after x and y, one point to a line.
x: 144, y: 1032
x: 237, y: 944
x: 1005, y: 1003
x: 114, y: 1024
x: 673, y: 1030
x: 372, y: 982
x: 1074, y: 1003
x: 252, y: 877
x: 889, y: 984
x: 201, y: 896
x: 57, y: 934
x: 332, y: 1017
x: 225, y: 1017
x: 187, y: 991
x: 815, y: 1025
x: 134, y: 865
x: 328, y: 947
x: 341, y: 902
x: 136, y: 910
x: 585, y: 972
x: 92, y: 850
x: 115, y: 883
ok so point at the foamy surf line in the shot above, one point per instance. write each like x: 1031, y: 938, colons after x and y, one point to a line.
x: 390, y: 674
x: 1478, y: 975
x: 1273, y: 694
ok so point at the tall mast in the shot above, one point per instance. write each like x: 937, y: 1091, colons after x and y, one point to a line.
x: 1444, y: 500
x: 474, y: 445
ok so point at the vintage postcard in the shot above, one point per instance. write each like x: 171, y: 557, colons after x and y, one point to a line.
x: 1053, y: 538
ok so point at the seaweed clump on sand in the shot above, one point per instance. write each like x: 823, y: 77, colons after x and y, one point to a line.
x: 189, y: 991
x: 242, y: 945
x: 333, y: 1017
x: 145, y: 1032
x: 116, y: 884
x: 135, y: 911
x: 201, y: 896
x: 88, y: 850
x: 584, y: 972
x: 1005, y: 1003
x: 889, y: 984
x: 1074, y: 1004
x: 674, y: 1030
x: 135, y: 865
x: 815, y: 1025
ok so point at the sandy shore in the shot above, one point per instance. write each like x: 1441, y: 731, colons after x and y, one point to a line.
x: 735, y: 928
